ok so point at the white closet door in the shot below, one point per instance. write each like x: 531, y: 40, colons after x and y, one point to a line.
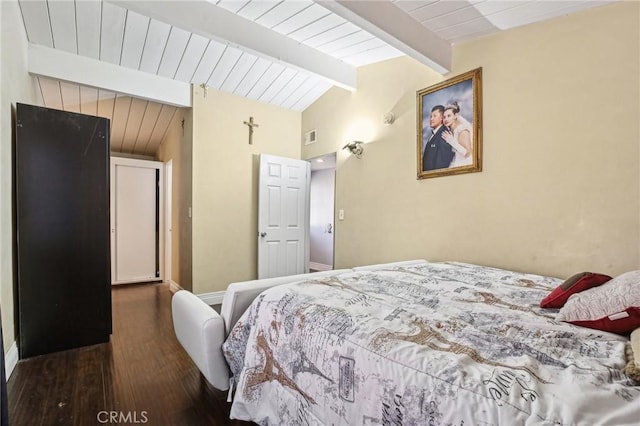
x: 134, y: 223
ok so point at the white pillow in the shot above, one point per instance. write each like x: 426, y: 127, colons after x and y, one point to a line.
x: 614, y: 306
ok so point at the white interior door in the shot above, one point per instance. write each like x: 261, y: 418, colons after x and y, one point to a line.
x: 283, y: 217
x: 135, y: 216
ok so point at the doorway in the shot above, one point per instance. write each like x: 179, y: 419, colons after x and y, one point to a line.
x: 322, y: 213
x: 168, y: 231
x: 137, y: 211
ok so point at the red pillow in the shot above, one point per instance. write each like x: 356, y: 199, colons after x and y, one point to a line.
x: 623, y: 323
x: 575, y: 284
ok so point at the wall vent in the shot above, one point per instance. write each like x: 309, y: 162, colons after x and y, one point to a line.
x: 310, y: 137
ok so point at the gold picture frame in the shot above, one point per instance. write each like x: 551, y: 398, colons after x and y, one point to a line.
x: 449, y: 126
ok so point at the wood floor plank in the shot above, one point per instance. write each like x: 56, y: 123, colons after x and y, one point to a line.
x: 142, y: 373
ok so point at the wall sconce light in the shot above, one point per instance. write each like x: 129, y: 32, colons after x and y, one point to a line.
x: 355, y: 148
x: 389, y: 118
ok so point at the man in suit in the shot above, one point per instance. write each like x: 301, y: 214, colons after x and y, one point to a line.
x: 437, y: 153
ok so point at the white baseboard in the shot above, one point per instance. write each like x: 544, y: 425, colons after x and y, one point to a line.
x: 320, y: 266
x: 11, y: 359
x: 213, y: 298
x: 174, y: 286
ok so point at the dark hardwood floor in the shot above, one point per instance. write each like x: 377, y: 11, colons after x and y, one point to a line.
x: 142, y: 376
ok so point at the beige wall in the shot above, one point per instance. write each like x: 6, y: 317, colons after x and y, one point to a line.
x: 560, y: 188
x: 16, y: 86
x: 225, y: 182
x: 177, y: 146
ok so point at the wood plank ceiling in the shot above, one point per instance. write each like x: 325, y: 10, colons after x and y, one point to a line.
x: 106, y: 32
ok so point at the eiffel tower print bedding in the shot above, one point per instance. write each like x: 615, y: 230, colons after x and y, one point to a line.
x: 431, y: 344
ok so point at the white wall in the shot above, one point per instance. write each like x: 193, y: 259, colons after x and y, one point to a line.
x: 321, y: 213
x: 225, y: 182
x: 16, y: 86
x: 177, y: 146
x: 559, y: 191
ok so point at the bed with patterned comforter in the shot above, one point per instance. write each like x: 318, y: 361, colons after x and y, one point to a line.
x: 430, y: 344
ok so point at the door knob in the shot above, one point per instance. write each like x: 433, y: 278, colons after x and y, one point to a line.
x: 263, y: 234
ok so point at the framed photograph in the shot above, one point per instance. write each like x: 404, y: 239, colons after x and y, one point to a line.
x: 449, y: 136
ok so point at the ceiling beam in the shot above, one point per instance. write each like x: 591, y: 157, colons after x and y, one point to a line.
x: 391, y: 24
x: 213, y: 22
x: 85, y: 71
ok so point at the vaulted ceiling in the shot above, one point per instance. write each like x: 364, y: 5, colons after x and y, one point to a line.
x: 286, y: 53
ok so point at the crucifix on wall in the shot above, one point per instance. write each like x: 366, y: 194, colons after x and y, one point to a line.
x: 251, y: 125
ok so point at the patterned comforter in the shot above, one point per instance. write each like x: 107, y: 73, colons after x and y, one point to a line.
x: 431, y: 344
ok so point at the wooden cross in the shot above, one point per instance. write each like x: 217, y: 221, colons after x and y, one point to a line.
x: 251, y: 125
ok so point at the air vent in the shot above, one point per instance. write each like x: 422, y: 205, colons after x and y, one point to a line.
x: 310, y: 137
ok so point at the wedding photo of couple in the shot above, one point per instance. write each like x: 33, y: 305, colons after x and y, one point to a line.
x: 450, y: 142
x: 449, y: 139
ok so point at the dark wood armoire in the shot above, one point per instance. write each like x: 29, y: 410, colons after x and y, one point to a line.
x: 62, y: 230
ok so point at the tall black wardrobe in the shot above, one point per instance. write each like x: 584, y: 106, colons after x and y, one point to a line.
x: 62, y: 230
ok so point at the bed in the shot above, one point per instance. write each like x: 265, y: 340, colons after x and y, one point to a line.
x: 421, y: 344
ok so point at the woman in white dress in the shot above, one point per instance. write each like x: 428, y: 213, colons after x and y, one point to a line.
x: 459, y: 137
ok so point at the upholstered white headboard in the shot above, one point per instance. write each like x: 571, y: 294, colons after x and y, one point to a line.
x: 201, y: 330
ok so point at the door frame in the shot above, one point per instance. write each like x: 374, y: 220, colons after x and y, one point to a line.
x: 334, y: 155
x: 168, y: 229
x: 131, y: 162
